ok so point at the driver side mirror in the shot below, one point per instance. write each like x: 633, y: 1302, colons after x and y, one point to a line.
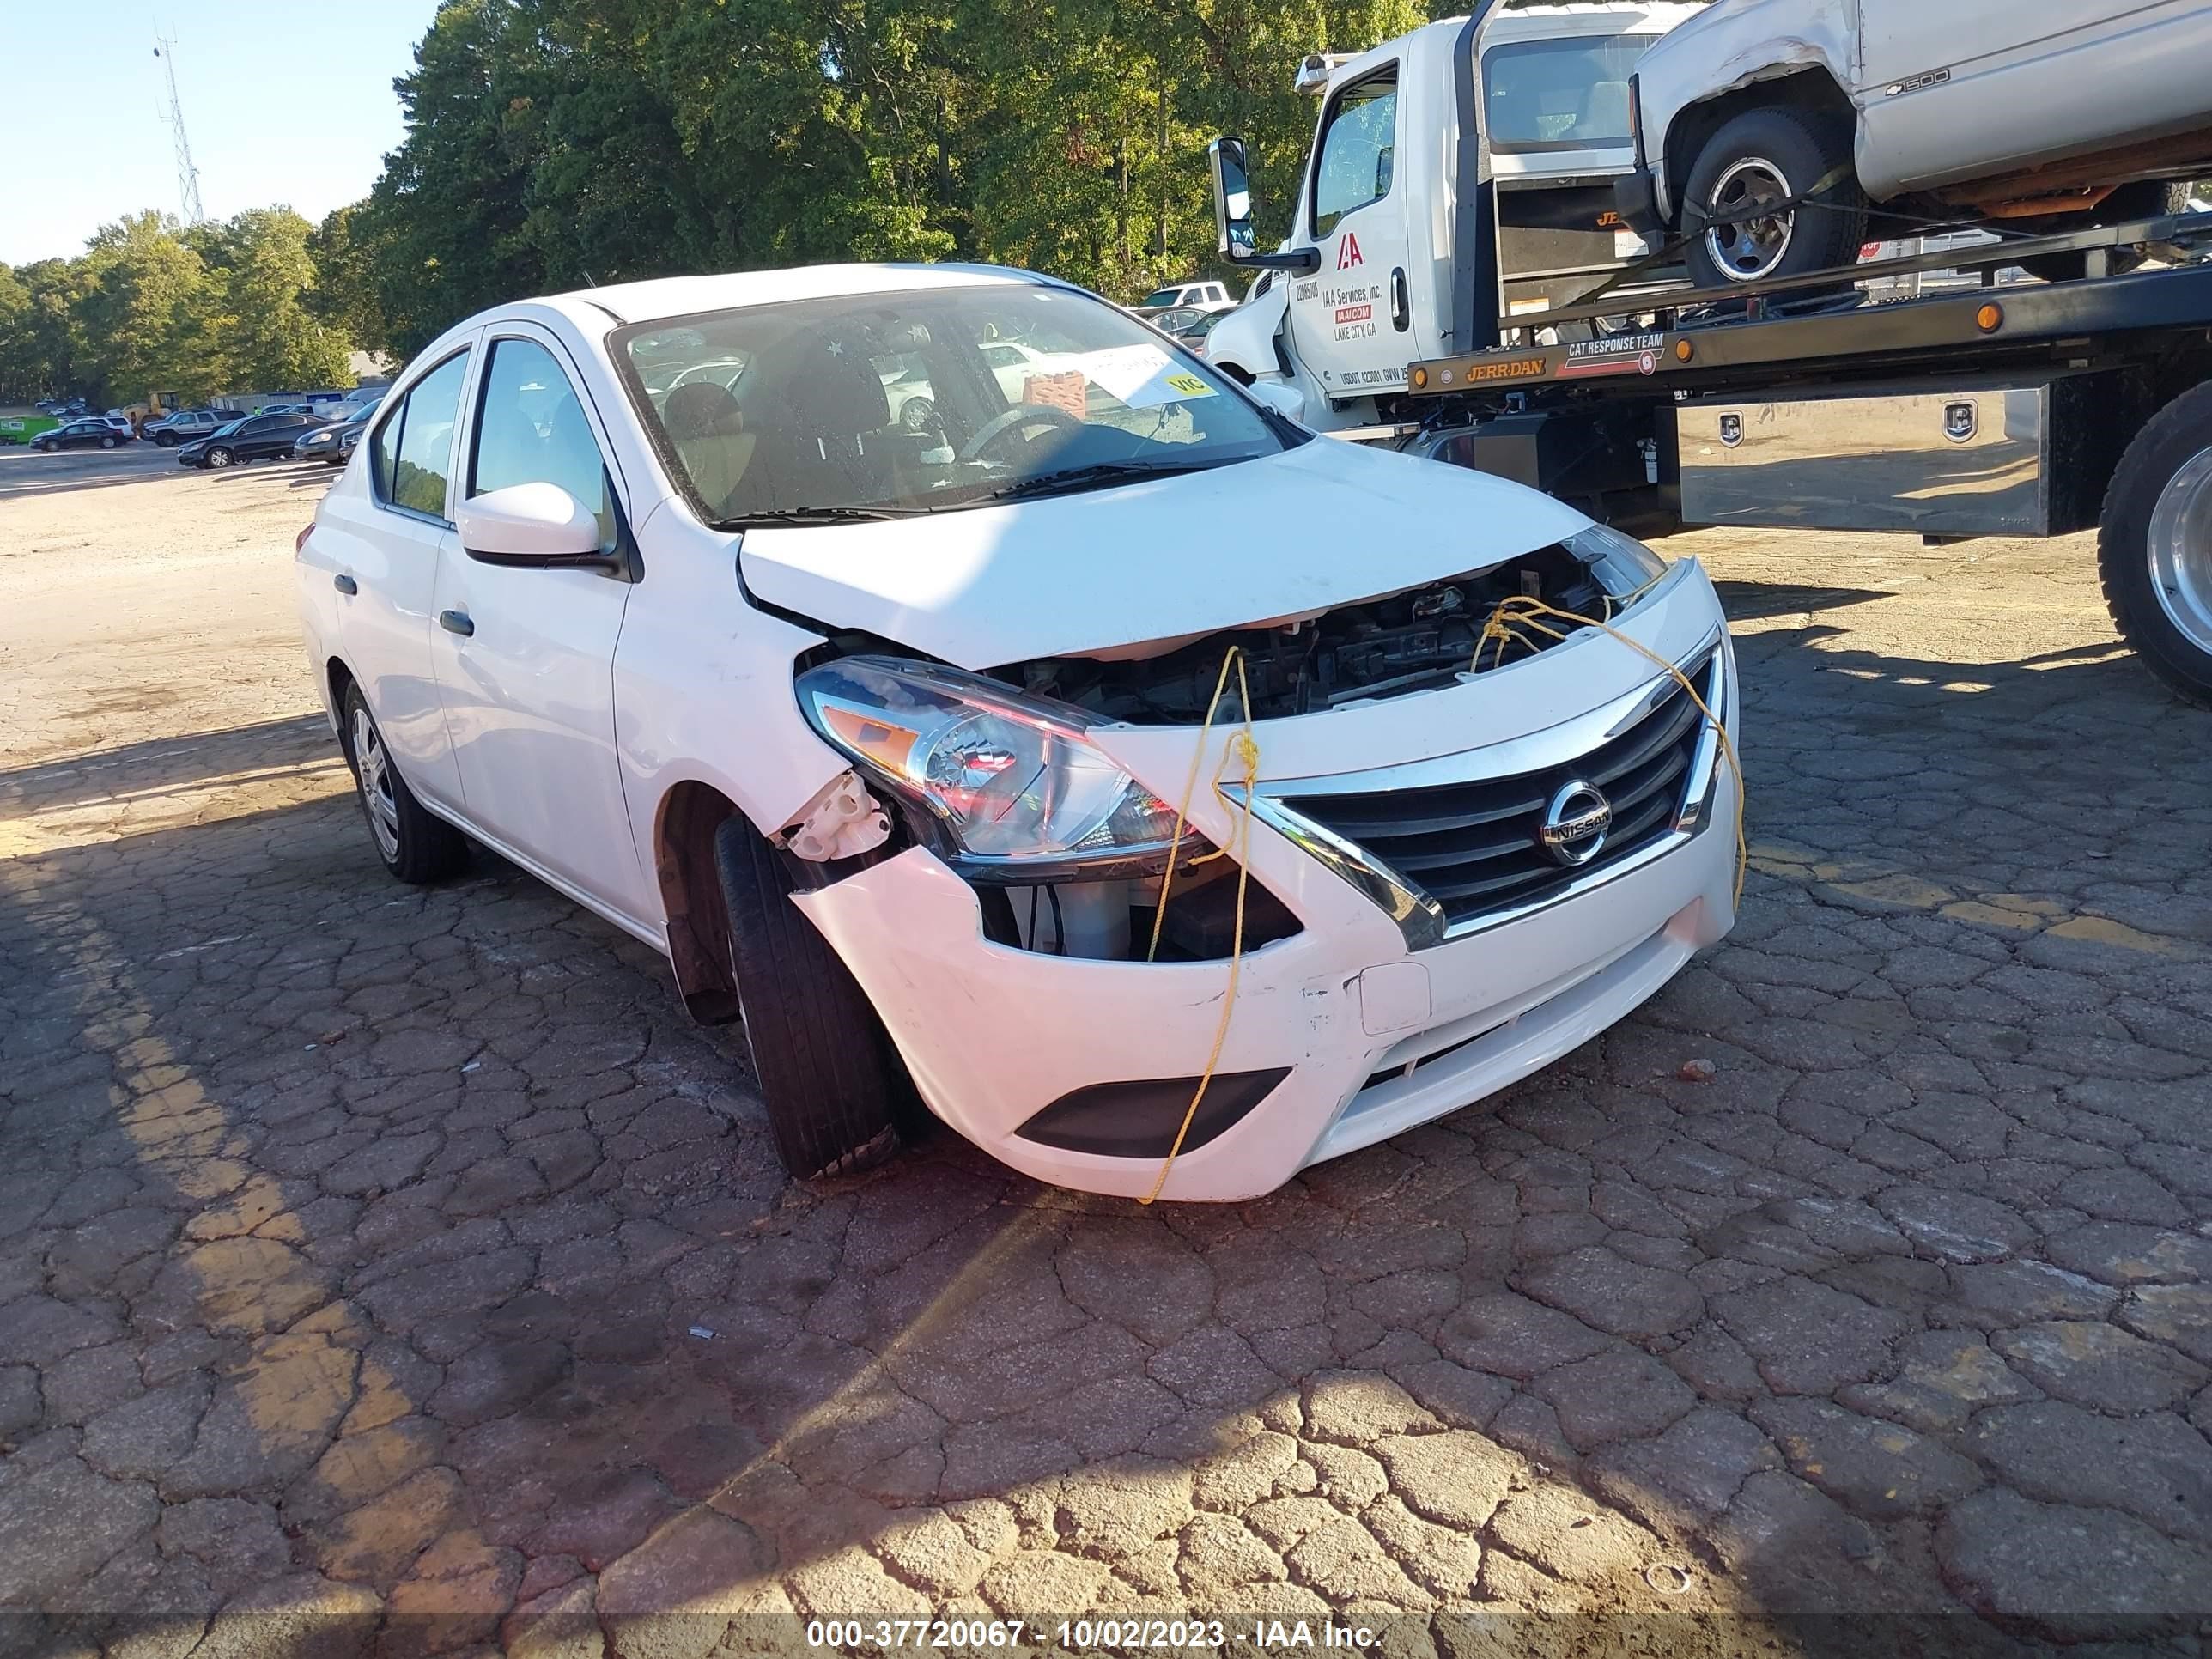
x: 533, y: 525
x: 1232, y: 212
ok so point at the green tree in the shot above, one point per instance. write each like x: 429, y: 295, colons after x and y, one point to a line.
x: 274, y: 335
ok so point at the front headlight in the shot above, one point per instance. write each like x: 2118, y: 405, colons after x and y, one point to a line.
x: 315, y: 438
x: 1620, y: 562
x: 1012, y: 783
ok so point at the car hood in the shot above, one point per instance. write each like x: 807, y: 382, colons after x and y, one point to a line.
x: 1290, y: 535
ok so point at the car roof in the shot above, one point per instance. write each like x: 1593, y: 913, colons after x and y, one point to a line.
x: 664, y: 297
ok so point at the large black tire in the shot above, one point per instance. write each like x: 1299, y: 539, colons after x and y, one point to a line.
x: 1772, y: 154
x: 166, y: 439
x: 2148, y: 198
x: 2162, y: 489
x: 832, y: 1083
x: 218, y: 456
x: 413, y: 846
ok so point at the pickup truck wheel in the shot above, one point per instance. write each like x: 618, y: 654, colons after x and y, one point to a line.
x: 1766, y: 156
x: 415, y: 846
x: 833, y: 1084
x: 2154, y: 546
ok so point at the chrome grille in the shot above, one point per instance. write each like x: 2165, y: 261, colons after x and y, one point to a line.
x: 1475, y: 847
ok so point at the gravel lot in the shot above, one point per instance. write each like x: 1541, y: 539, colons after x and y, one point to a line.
x: 392, y: 1270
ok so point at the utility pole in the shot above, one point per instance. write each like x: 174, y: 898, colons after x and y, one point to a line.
x: 188, y: 176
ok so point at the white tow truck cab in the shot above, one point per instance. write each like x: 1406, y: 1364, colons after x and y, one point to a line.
x: 1397, y: 312
x: 1365, y: 281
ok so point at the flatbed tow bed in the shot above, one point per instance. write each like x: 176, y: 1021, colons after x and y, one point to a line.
x: 2033, y: 408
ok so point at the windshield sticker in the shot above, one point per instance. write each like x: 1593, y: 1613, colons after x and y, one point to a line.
x: 1140, y: 376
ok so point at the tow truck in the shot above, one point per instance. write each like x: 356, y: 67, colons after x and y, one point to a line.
x: 2030, y: 409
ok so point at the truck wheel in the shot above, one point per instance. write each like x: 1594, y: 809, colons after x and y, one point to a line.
x: 2154, y: 546
x: 832, y: 1083
x: 2148, y: 198
x: 1770, y: 155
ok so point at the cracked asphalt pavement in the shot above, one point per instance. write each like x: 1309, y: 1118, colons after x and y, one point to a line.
x: 397, y: 1271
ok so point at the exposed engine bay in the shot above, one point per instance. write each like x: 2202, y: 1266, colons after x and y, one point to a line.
x: 1408, y: 641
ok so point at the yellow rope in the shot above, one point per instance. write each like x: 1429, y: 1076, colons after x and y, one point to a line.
x: 1246, y: 750
x: 1520, y: 609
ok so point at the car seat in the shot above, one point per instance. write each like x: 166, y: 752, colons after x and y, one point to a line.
x: 824, y: 431
x: 709, y: 430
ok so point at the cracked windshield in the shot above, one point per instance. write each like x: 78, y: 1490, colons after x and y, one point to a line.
x: 880, y: 405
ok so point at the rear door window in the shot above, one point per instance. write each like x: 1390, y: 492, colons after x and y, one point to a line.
x: 413, y: 451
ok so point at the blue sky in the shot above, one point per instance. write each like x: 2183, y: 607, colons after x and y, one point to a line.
x: 285, y: 101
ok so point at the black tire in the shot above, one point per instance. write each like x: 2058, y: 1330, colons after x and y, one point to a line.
x: 2148, y: 198
x: 166, y: 439
x: 108, y: 442
x: 420, y: 848
x: 833, y: 1084
x: 49, y: 446
x: 1796, y: 152
x: 217, y: 456
x: 2178, y: 438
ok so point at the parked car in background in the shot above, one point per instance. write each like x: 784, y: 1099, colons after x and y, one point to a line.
x: 1206, y: 296
x: 186, y: 424
x: 2034, y: 115
x: 89, y: 431
x: 256, y: 438
x: 326, y: 441
x: 900, y: 749
x: 1187, y: 326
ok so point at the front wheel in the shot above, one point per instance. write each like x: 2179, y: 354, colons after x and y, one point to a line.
x: 2154, y: 546
x: 831, y: 1081
x: 1762, y: 158
x: 49, y: 447
x: 415, y: 846
x: 220, y: 457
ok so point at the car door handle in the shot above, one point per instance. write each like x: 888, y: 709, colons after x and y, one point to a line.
x: 456, y: 622
x: 345, y: 584
x: 1401, y: 309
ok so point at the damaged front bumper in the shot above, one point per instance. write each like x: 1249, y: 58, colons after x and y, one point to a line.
x: 1390, y: 1006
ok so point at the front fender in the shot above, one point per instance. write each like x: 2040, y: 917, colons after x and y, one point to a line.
x: 1728, y: 48
x: 1244, y: 340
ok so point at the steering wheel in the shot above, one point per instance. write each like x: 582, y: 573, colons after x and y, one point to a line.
x: 1014, y: 420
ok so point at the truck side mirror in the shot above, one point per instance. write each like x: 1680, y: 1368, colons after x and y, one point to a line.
x: 1232, y: 198
x: 1232, y: 213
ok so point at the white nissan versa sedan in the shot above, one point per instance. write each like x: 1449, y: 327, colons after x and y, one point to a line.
x: 879, y: 734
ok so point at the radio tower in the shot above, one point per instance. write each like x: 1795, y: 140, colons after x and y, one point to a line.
x: 188, y: 176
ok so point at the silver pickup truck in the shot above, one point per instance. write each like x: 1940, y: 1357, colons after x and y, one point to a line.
x: 2036, y: 115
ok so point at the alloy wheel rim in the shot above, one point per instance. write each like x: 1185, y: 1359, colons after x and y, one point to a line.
x: 374, y: 769
x: 1752, y: 249
x: 2180, y: 551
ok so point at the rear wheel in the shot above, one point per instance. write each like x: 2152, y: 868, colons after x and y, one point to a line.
x: 2155, y: 547
x: 1761, y: 158
x: 415, y: 846
x: 831, y: 1081
x: 166, y: 439
x: 108, y: 442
